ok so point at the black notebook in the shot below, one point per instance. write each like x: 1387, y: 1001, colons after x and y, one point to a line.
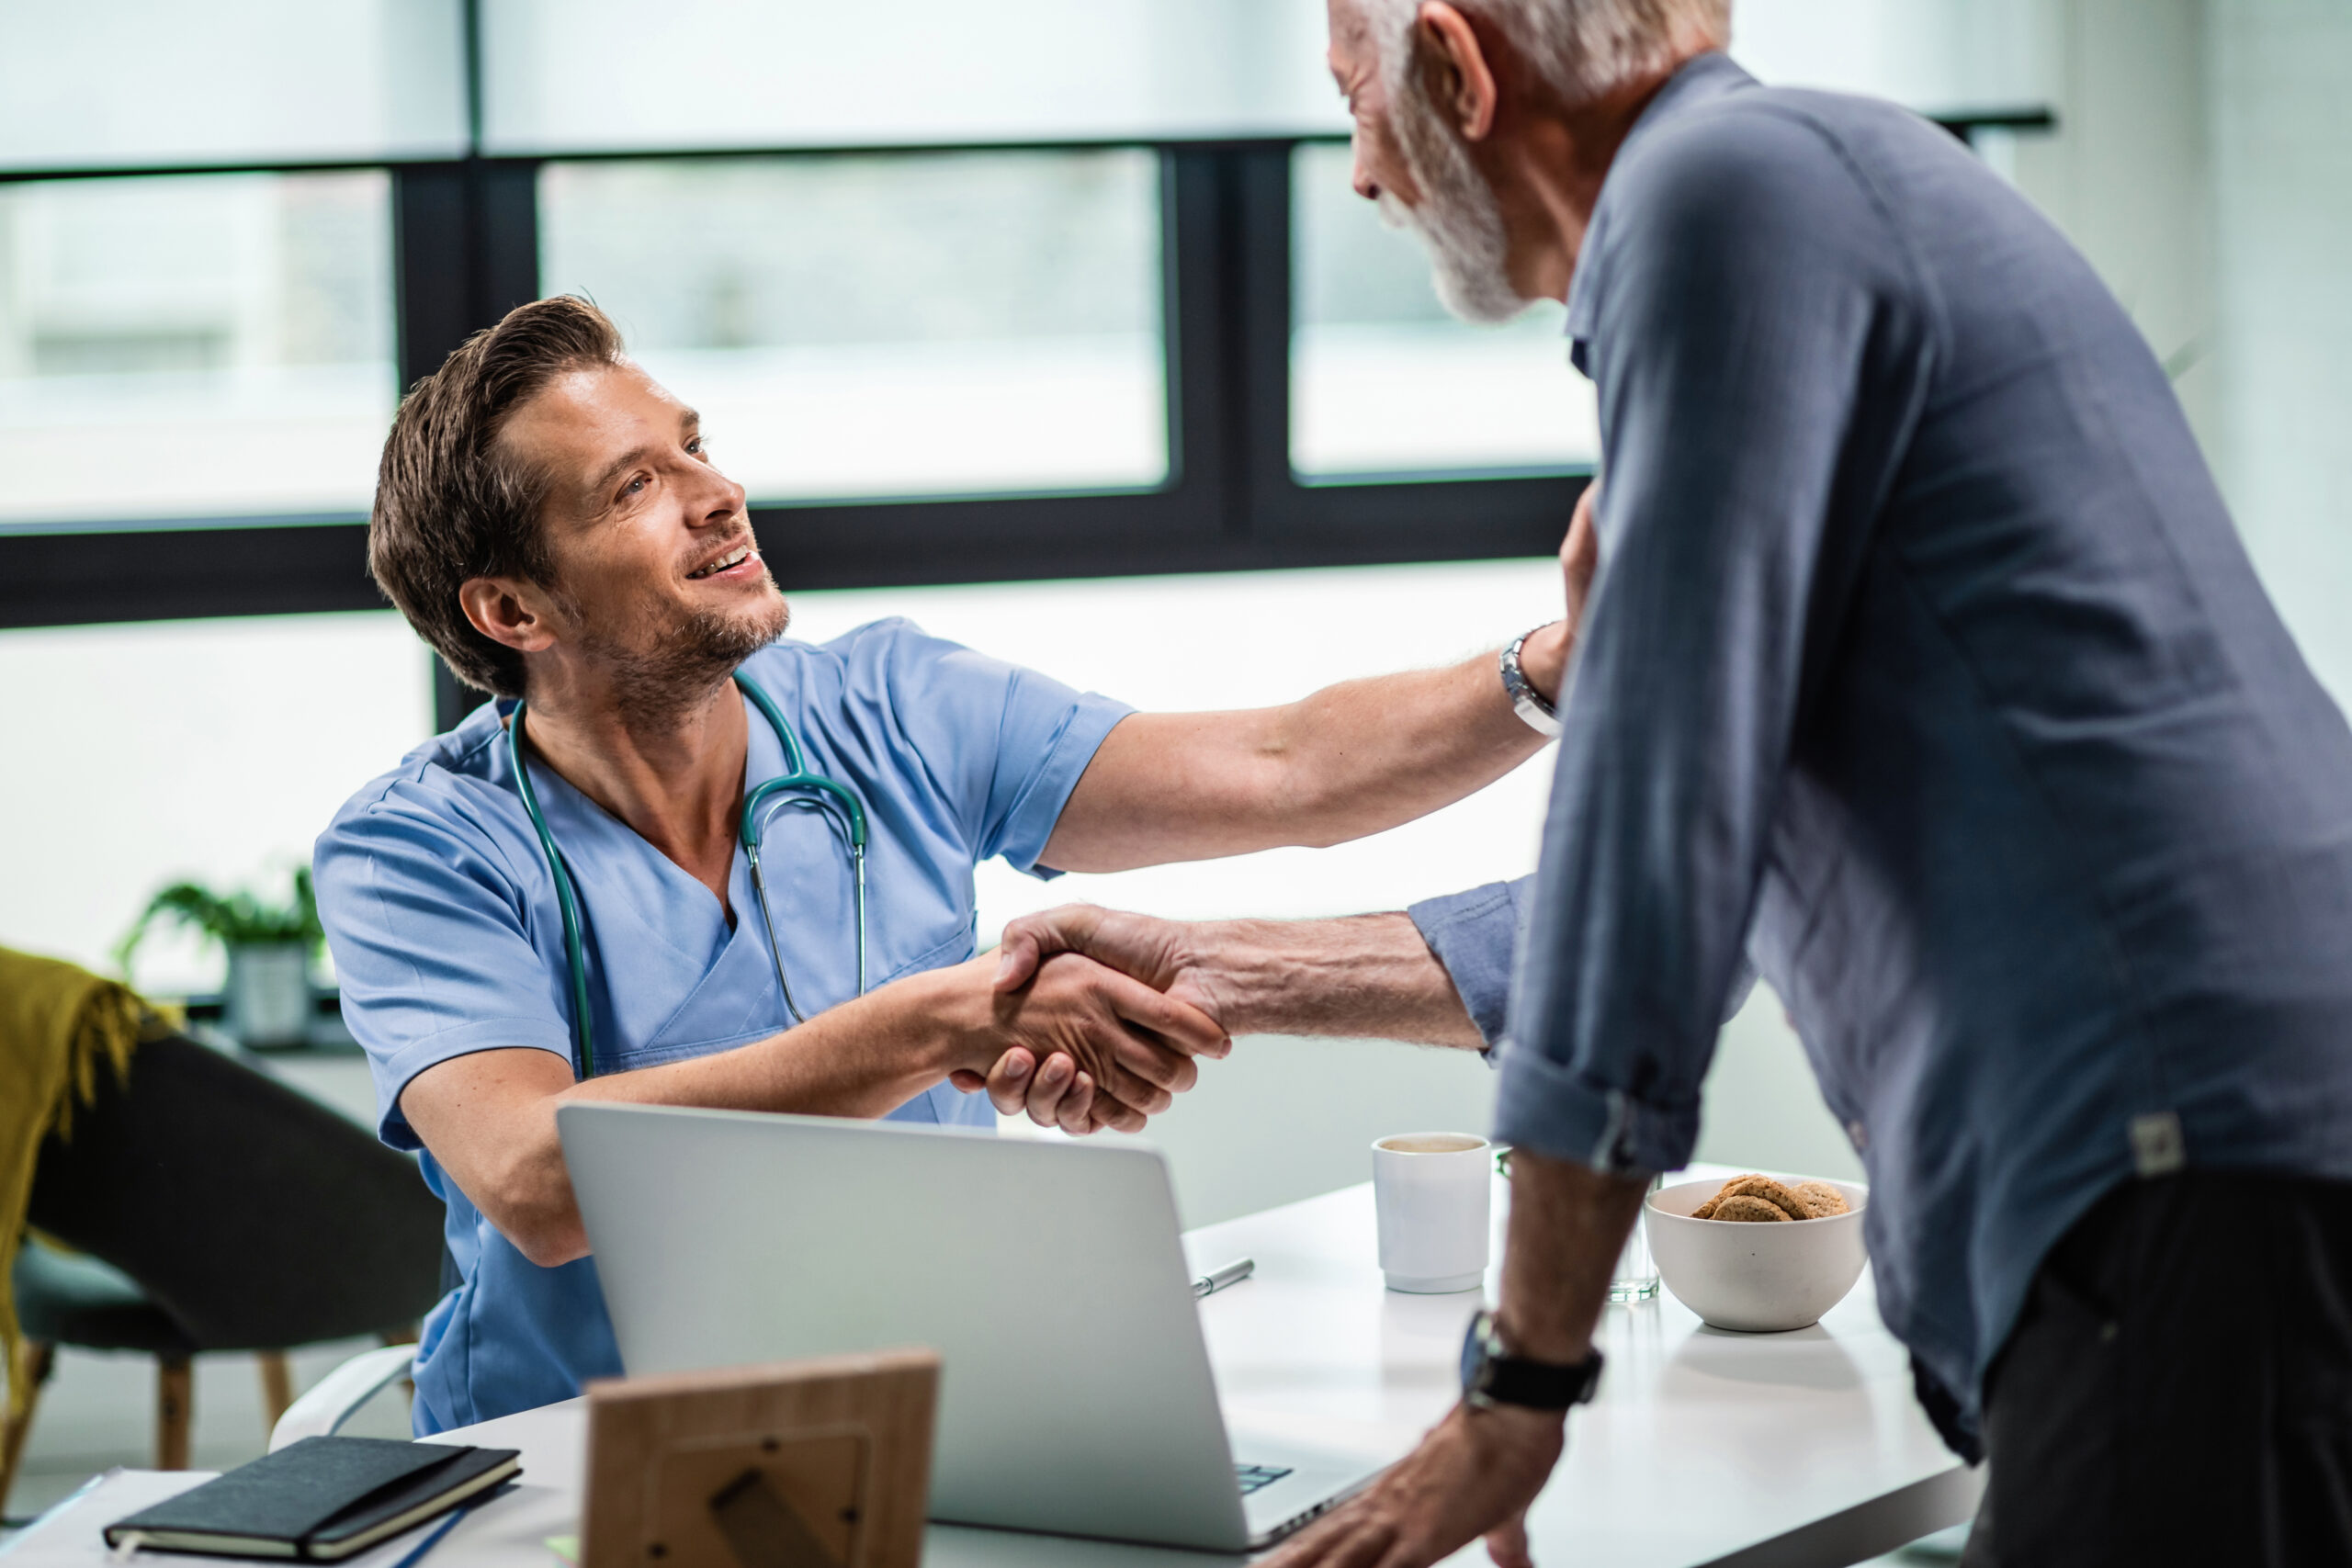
x: 319, y: 1500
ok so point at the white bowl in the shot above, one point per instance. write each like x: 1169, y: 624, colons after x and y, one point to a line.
x: 1756, y: 1277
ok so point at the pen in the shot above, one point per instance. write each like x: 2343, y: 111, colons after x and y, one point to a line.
x: 430, y: 1541
x: 1218, y: 1279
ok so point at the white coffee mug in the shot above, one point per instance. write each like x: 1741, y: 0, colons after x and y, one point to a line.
x: 1431, y: 1191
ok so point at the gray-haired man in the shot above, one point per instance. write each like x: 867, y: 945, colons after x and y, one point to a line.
x: 1924, y: 672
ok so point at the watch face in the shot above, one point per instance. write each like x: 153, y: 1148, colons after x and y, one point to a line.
x: 1490, y: 1376
x: 1477, y: 1349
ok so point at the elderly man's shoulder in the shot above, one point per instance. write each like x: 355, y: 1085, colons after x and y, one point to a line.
x: 1788, y: 130
x: 1731, y: 174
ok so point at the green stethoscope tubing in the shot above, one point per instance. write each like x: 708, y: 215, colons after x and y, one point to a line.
x: 829, y: 796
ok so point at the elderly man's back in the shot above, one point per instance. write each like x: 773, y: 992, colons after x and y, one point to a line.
x: 1926, y: 664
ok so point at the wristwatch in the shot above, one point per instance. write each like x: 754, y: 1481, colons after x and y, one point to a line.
x: 1525, y: 700
x: 1491, y: 1376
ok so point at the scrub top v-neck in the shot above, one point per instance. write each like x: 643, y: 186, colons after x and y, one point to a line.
x: 447, y: 937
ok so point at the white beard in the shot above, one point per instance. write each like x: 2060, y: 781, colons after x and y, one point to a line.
x: 1458, y: 220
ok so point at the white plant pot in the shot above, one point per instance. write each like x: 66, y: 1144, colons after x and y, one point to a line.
x: 268, y: 1000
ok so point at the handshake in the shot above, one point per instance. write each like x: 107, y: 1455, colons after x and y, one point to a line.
x: 1099, y: 1018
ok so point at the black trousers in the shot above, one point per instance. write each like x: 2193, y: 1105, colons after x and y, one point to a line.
x: 2178, y: 1389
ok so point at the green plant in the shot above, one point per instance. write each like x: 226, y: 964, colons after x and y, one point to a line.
x: 235, y: 920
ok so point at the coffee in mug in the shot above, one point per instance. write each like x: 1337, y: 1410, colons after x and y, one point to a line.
x: 1431, y: 1144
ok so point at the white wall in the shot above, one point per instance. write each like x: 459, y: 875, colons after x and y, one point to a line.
x: 2282, y: 148
x: 217, y: 748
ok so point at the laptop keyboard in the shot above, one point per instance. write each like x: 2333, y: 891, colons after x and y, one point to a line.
x: 1254, y: 1476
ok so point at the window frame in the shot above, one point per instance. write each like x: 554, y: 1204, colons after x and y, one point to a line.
x: 465, y: 240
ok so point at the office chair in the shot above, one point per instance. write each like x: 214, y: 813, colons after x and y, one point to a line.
x: 218, y: 1210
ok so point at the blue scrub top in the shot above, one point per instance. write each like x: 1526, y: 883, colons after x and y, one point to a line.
x: 442, y: 918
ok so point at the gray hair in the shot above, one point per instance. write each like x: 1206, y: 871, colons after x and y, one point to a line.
x: 1583, y: 47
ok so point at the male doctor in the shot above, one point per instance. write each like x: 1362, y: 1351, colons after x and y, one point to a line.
x: 550, y: 520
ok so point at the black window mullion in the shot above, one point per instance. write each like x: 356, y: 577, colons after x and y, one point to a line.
x: 1197, y: 286
x: 466, y: 251
x: 1261, y: 325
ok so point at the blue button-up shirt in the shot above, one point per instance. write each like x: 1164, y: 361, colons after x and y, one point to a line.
x: 1924, y: 665
x: 442, y: 917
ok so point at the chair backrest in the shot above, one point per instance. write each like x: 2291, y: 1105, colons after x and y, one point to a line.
x: 256, y: 1216
x: 335, y: 1398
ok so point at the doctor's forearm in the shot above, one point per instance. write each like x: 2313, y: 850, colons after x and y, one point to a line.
x: 1350, y: 759
x: 488, y: 1117
x: 863, y: 1058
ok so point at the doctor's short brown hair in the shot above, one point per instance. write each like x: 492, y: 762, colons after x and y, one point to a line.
x: 450, y: 503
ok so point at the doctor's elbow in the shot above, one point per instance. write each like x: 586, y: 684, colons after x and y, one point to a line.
x: 547, y: 1238
x: 531, y: 1202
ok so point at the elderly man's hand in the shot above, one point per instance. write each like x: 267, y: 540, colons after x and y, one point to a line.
x: 1163, y: 955
x: 1115, y: 1049
x: 1475, y: 1474
x: 1159, y: 952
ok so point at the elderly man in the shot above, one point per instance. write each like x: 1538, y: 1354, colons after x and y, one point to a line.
x: 679, y: 861
x: 1924, y: 672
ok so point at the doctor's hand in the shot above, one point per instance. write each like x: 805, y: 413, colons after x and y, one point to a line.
x: 1114, y: 1050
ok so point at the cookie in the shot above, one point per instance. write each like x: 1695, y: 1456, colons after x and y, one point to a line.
x: 1743, y: 1206
x: 1706, y: 1210
x: 1792, y: 1207
x: 1821, y: 1199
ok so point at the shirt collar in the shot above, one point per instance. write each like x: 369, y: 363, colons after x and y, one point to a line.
x: 1701, y: 79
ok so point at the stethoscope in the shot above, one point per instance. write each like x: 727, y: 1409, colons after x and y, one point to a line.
x: 817, y: 793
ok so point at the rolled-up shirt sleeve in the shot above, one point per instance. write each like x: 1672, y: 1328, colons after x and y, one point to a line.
x: 1759, y: 345
x: 1474, y: 934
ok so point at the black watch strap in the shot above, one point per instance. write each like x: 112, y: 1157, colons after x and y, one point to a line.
x: 1490, y: 1376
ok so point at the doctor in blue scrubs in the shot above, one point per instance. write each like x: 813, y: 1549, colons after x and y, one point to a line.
x: 550, y: 520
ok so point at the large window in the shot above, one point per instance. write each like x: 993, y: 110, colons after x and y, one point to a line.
x: 193, y: 346
x: 1056, y: 289
x: 1384, y: 381
x: 565, y: 76
x: 899, y: 325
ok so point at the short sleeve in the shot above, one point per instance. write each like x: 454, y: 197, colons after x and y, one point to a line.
x: 1006, y: 745
x: 432, y: 952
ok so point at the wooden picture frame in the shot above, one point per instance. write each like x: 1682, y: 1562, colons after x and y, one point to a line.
x: 823, y: 1463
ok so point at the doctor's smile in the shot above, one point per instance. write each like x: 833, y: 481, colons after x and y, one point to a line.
x: 727, y: 564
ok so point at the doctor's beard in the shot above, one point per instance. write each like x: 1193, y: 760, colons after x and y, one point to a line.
x: 1458, y: 220
x: 660, y: 671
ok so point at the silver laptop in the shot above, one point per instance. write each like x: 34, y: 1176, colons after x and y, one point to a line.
x: 1076, y: 1395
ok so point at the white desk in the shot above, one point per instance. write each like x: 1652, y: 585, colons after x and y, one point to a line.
x: 1703, y: 1447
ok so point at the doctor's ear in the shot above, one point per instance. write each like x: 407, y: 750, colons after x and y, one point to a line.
x: 507, y: 610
